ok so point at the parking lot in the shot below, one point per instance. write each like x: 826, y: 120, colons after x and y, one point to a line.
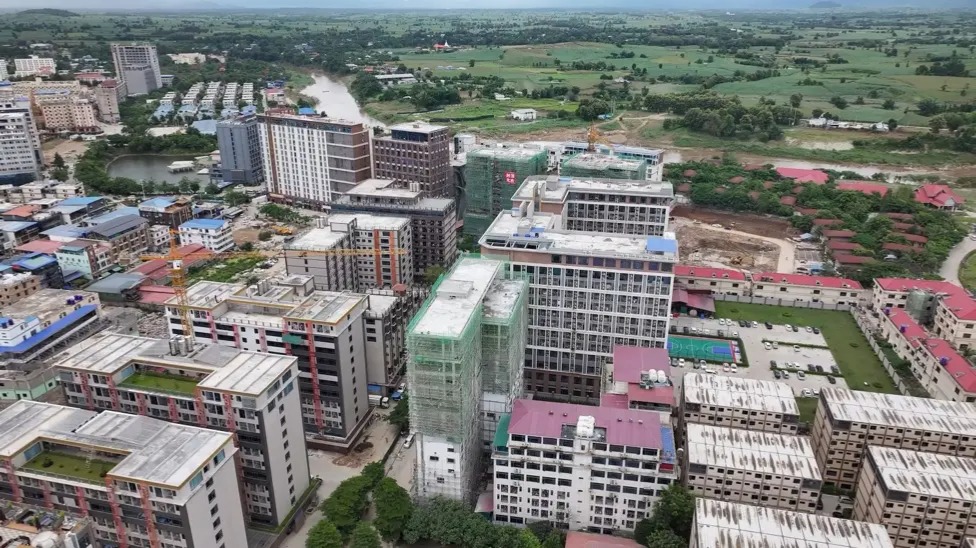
x: 753, y: 339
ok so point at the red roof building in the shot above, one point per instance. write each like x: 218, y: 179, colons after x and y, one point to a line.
x: 754, y: 194
x: 891, y: 246
x: 629, y: 363
x: 768, y: 184
x: 864, y: 187
x: 807, y: 211
x: 807, y: 280
x: 938, y: 196
x: 578, y: 539
x: 753, y: 167
x: 684, y: 188
x: 902, y: 227
x: 737, y: 180
x: 906, y: 326
x: 158, y: 271
x: 689, y: 173
x: 814, y: 176
x: 788, y: 200
x: 49, y: 247
x: 841, y: 245
x: 912, y: 237
x: 839, y: 234
x: 899, y: 216
x: 622, y: 426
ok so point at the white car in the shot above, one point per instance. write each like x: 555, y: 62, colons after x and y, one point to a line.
x: 806, y: 393
x: 735, y: 334
x: 725, y: 368
x: 706, y: 332
x: 702, y: 363
x: 734, y: 368
x: 786, y: 374
x: 788, y: 327
x: 768, y: 346
x: 775, y: 344
x: 755, y: 324
x: 796, y: 348
x: 709, y: 370
x: 721, y: 321
x: 809, y: 329
x: 681, y: 362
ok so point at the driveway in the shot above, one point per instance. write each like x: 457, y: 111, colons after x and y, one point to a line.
x: 950, y: 268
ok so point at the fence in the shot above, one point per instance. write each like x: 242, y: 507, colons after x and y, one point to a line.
x: 866, y: 330
x: 774, y: 301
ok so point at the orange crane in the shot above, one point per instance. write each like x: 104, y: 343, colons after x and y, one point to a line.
x: 593, y: 137
x: 178, y: 271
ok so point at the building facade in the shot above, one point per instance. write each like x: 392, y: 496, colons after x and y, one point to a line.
x: 107, y: 95
x: 748, y: 404
x: 588, y: 293
x: 67, y: 111
x: 722, y: 281
x: 239, y: 141
x: 415, y: 152
x: 213, y: 234
x: 847, y: 422
x: 582, y: 468
x: 737, y: 465
x: 127, y: 234
x: 171, y: 212
x: 34, y: 65
x: 141, y: 481
x: 464, y: 349
x: 18, y: 155
x: 15, y: 286
x: 433, y: 220
x: 249, y: 394
x: 806, y: 288
x: 138, y: 67
x: 91, y: 258
x: 307, y: 160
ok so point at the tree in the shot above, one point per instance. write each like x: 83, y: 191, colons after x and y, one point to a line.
x: 58, y: 161
x: 471, y: 62
x: 212, y: 189
x: 888, y: 104
x: 838, y: 102
x: 400, y: 416
x: 247, y: 247
x: 345, y: 506
x: 928, y: 107
x: 541, y: 529
x: 393, y: 509
x: 644, y: 529
x: 892, y: 124
x: 59, y: 174
x: 324, y: 535
x: 937, y: 124
x: 364, y: 536
x: 373, y: 472
x: 664, y: 538
x: 556, y: 539
x: 675, y: 510
x: 796, y: 99
x: 264, y: 235
x: 234, y: 198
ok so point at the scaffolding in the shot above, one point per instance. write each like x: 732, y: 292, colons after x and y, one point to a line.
x: 491, y: 176
x: 592, y: 165
x: 503, y: 339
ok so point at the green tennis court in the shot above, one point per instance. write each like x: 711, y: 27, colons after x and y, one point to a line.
x: 701, y: 349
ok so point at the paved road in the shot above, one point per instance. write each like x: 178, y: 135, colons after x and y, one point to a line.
x: 950, y: 268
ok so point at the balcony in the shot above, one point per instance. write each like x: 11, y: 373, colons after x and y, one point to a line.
x: 70, y: 467
x: 158, y: 382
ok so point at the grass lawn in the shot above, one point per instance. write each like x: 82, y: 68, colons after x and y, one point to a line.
x: 224, y: 271
x: 808, y: 409
x: 162, y: 383
x: 860, y: 366
x: 967, y: 272
x: 75, y: 466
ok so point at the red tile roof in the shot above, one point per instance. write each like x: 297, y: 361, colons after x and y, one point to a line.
x: 906, y: 325
x: 788, y: 200
x: 708, y: 272
x: 577, y: 539
x: 864, y: 187
x: 839, y: 233
x: 720, y: 190
x: 912, y: 237
x: 904, y: 285
x: 24, y: 211
x: 851, y: 259
x: 891, y: 246
x: 768, y: 184
x: 753, y: 167
x: 840, y: 245
x: 754, y: 194
x: 41, y: 246
x: 955, y: 365
x: 546, y: 419
x: 899, y: 216
x: 903, y: 226
x: 737, y: 180
x: 155, y: 294
x: 807, y: 211
x: 684, y: 187
x: 938, y: 196
x: 803, y: 175
x: 630, y: 361
x: 689, y: 173
x: 806, y: 280
x: 797, y: 189
x: 158, y: 269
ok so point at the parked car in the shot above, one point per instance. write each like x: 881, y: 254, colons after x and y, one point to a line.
x: 831, y: 379
x: 835, y: 370
x: 786, y: 374
x: 772, y: 363
x: 755, y: 324
x: 788, y: 327
x: 767, y: 346
x: 796, y: 329
x: 811, y: 368
x: 816, y: 330
x: 725, y: 368
x: 806, y: 393
x: 809, y: 329
x: 702, y: 363
x: 769, y: 325
x: 681, y: 362
x: 721, y: 321
x: 820, y: 369
x: 796, y: 348
x: 684, y: 330
x: 735, y: 368
x: 674, y: 362
x: 801, y: 375
x: 775, y: 344
x: 743, y: 323
x: 777, y: 374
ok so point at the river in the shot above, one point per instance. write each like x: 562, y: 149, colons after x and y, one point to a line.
x: 334, y: 98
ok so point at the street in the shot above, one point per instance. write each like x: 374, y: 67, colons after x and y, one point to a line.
x: 950, y: 268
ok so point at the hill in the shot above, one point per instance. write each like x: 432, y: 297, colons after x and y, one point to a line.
x: 49, y: 11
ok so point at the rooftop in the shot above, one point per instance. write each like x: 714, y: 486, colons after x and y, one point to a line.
x: 739, y: 393
x: 385, y: 187
x: 619, y: 426
x: 156, y: 451
x: 900, y: 411
x: 365, y: 221
x: 226, y: 368
x: 502, y: 295
x: 592, y: 160
x: 803, y: 175
x: 708, y: 272
x: 317, y: 239
x: 865, y: 187
x: 925, y: 473
x: 542, y: 232
x: 806, y: 280
x: 507, y: 153
x: 454, y: 301
x: 327, y: 306
x: 553, y: 188
x: 630, y: 361
x: 422, y: 127
x: 729, y: 525
x: 205, y: 224
x: 751, y: 450
x: 579, y: 539
x: 118, y: 225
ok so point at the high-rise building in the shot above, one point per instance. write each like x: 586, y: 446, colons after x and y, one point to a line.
x: 736, y: 465
x: 143, y: 481
x: 41, y: 66
x: 66, y: 111
x: 720, y: 524
x: 15, y: 103
x: 3, y: 70
x: 589, y: 292
x: 250, y: 394
x: 354, y: 252
x: 464, y: 348
x: 415, y: 152
x: 923, y: 499
x: 18, y: 160
x: 434, y: 220
x: 334, y: 336
x: 491, y: 177
x: 239, y: 142
x: 597, y: 469
x: 308, y: 160
x: 137, y: 65
x: 849, y: 421
x: 107, y: 95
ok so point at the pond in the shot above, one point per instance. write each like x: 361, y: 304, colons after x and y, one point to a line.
x: 142, y: 167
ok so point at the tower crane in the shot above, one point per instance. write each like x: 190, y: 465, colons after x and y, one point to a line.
x: 178, y: 275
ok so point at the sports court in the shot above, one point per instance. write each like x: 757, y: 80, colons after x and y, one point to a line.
x: 696, y: 348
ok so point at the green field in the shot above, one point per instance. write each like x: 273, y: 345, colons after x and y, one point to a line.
x: 74, y: 466
x: 858, y: 364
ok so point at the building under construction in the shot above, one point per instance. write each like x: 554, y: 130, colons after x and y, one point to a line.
x: 491, y: 176
x: 466, y: 346
x: 593, y: 165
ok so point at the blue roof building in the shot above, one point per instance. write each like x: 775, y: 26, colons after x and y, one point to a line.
x: 66, y: 233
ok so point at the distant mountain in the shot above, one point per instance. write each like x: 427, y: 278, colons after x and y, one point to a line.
x: 48, y: 11
x: 824, y: 5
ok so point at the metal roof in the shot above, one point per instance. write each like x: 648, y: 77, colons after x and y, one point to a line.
x: 119, y: 225
x: 924, y: 473
x: 755, y: 451
x: 900, y: 411
x: 739, y: 393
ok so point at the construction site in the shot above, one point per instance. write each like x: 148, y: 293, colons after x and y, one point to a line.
x: 707, y: 245
x: 465, y: 347
x: 492, y: 175
x: 593, y: 165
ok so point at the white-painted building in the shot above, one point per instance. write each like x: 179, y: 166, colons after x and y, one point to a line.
x: 583, y: 468
x: 720, y: 524
x: 18, y: 160
x: 213, y: 234
x: 524, y: 114
x: 3, y: 70
x: 722, y: 281
x: 589, y: 292
x: 737, y: 402
x: 736, y: 465
x: 34, y: 65
x: 162, y: 484
x: 137, y: 65
x: 804, y: 288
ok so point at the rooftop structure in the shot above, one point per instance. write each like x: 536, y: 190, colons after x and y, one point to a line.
x: 814, y: 176
x: 587, y: 164
x: 924, y: 473
x: 759, y: 452
x: 736, y: 402
x: 728, y: 525
x: 900, y: 411
x: 44, y: 322
x: 938, y: 196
